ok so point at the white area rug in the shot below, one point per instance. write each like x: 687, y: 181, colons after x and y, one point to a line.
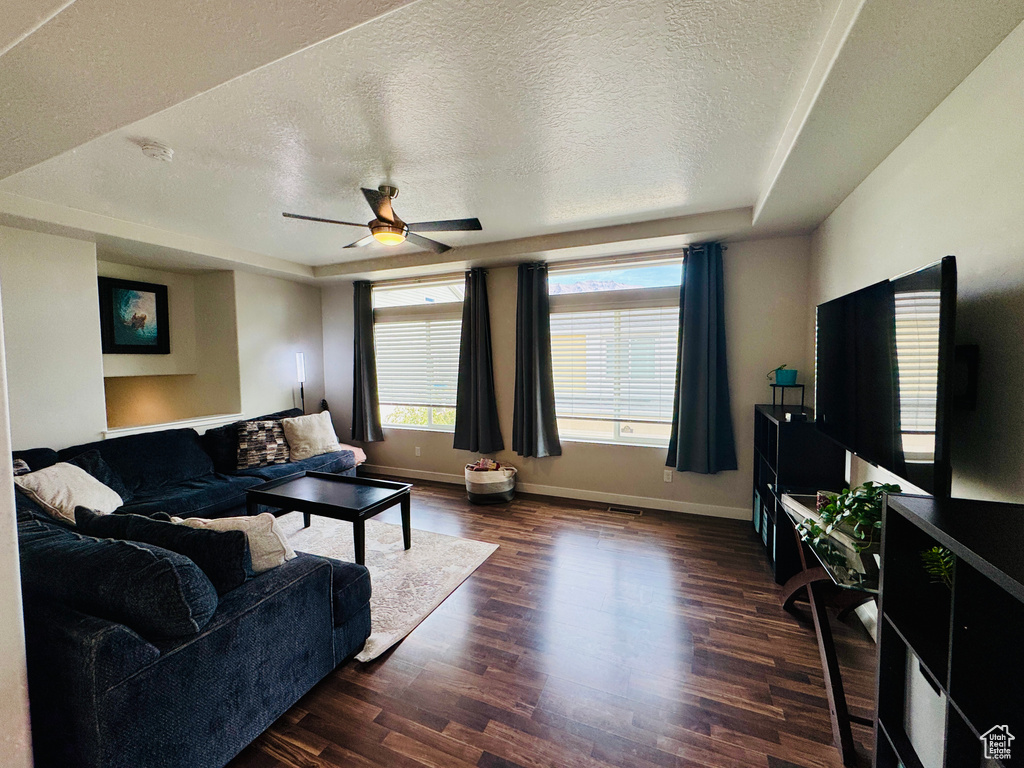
x: 407, y: 584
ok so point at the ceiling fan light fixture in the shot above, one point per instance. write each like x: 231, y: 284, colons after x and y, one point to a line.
x: 387, y: 233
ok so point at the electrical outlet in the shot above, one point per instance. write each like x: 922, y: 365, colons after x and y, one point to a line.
x: 417, y: 450
x: 668, y: 475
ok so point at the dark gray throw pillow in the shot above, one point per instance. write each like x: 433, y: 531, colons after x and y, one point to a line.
x: 222, y: 555
x: 93, y: 463
x: 156, y: 592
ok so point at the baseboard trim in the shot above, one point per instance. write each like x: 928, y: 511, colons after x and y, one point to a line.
x: 578, y: 494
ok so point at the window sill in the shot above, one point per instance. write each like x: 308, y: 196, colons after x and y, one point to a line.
x: 617, y: 443
x: 417, y: 428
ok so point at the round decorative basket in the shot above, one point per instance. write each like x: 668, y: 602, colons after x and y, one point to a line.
x: 496, y: 486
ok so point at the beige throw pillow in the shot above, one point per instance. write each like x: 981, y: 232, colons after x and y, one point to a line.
x: 268, y: 545
x: 310, y: 435
x: 62, y: 487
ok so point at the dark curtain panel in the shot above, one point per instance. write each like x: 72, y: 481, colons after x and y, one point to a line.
x: 476, y: 409
x: 365, y: 408
x: 534, y: 431
x: 702, y: 437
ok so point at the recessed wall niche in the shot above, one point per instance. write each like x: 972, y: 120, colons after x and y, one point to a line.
x: 200, y: 375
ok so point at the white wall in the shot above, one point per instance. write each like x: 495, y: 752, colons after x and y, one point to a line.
x: 766, y: 306
x: 955, y: 186
x: 15, y: 741
x: 276, y: 319
x: 181, y: 310
x: 52, y: 331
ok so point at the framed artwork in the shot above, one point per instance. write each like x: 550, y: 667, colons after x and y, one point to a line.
x: 133, y: 318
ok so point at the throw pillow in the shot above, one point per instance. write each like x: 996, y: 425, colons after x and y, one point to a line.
x: 62, y: 487
x: 310, y: 435
x: 268, y: 546
x: 94, y: 464
x: 21, y: 467
x: 222, y: 555
x: 261, y: 443
x: 158, y: 593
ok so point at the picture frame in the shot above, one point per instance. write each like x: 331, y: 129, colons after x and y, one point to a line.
x: 133, y: 317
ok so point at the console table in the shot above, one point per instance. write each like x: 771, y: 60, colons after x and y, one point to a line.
x: 856, y: 576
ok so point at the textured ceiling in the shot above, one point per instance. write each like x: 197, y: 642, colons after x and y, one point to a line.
x: 98, y: 65
x: 537, y: 117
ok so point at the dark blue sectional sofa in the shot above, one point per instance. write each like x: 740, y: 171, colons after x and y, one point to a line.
x: 104, y: 695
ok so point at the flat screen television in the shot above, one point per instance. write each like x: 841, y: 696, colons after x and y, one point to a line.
x: 883, y: 370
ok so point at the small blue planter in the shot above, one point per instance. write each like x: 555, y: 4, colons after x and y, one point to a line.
x: 785, y: 376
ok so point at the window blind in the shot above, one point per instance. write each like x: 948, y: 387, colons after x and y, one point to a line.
x: 917, y: 356
x: 418, y: 362
x: 615, y: 364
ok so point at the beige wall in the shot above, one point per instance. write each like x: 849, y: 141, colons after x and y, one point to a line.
x: 338, y: 349
x: 276, y: 319
x: 52, y: 332
x: 219, y: 377
x: 955, y: 186
x: 181, y: 310
x: 766, y: 298
x: 15, y: 743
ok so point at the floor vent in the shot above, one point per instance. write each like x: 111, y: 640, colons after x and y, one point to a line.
x: 626, y: 510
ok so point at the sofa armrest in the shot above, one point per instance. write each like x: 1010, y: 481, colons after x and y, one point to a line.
x: 73, y: 658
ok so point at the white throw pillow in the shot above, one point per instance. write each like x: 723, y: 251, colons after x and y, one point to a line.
x: 310, y: 435
x: 62, y: 487
x: 268, y: 546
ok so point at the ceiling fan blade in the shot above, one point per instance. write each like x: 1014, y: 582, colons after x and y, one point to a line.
x: 448, y: 225
x: 427, y: 243
x: 317, y: 218
x: 379, y: 204
x: 360, y: 243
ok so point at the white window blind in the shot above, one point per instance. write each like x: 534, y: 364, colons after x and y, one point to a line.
x: 418, y: 362
x: 917, y: 356
x: 417, y: 329
x: 615, y: 364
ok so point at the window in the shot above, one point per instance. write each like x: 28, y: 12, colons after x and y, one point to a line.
x: 417, y: 330
x: 614, y: 340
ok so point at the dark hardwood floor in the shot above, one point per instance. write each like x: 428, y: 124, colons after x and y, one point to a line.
x: 589, y: 639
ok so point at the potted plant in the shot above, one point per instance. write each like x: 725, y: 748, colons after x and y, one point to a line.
x: 853, y: 516
x: 783, y: 375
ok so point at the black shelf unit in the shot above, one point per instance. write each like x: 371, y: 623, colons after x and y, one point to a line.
x: 967, y: 640
x: 789, y: 457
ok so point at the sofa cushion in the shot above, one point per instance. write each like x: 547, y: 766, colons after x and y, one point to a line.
x: 37, y: 458
x: 310, y: 435
x: 62, y: 487
x: 151, y: 460
x: 338, y: 461
x: 261, y: 443
x: 158, y: 593
x: 268, y: 544
x: 93, y: 463
x: 222, y: 555
x: 208, y: 496
x: 221, y: 443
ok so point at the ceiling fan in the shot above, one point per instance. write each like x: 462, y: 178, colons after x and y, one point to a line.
x: 388, y: 229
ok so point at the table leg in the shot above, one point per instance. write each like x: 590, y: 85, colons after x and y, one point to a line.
x: 407, y: 520
x: 359, y: 539
x: 250, y: 506
x: 839, y: 713
x: 305, y: 519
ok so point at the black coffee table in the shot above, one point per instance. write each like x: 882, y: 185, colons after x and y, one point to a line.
x: 336, y: 496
